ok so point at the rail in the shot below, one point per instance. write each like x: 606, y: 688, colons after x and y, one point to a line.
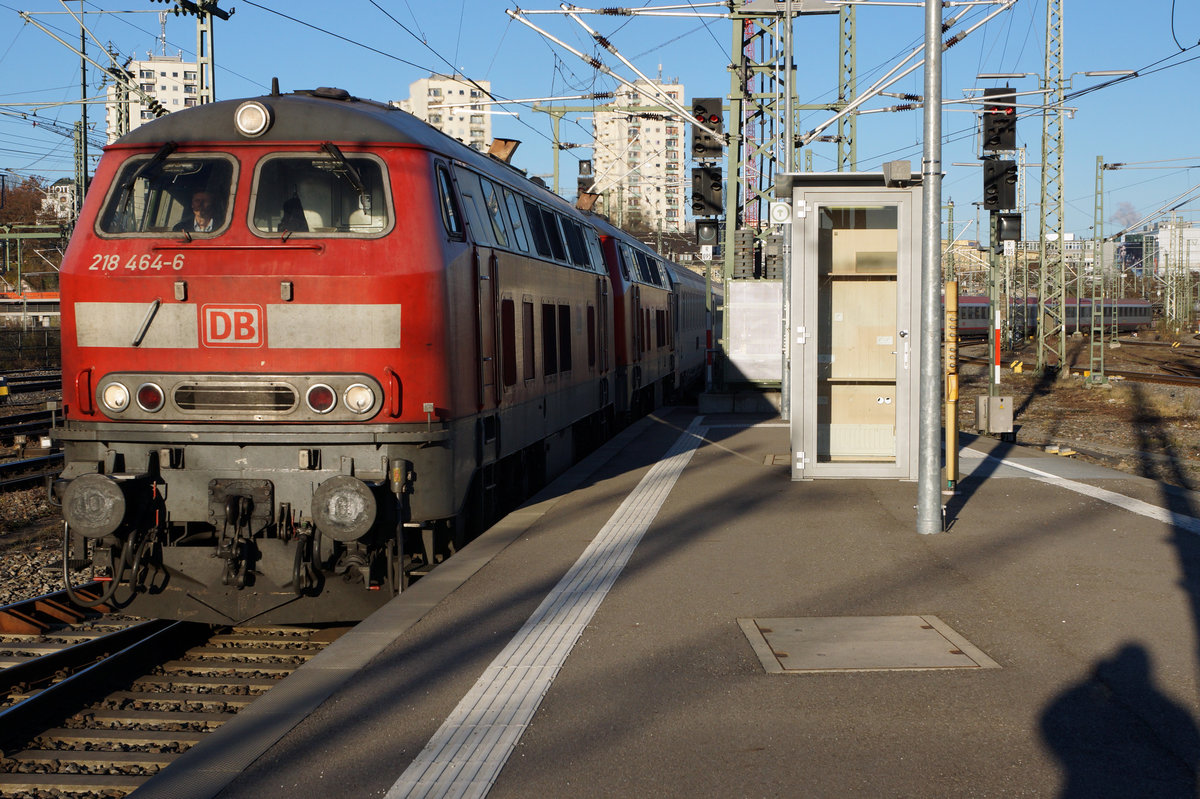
x: 20, y: 473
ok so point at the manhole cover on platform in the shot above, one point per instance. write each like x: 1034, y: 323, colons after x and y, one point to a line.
x: 861, y: 643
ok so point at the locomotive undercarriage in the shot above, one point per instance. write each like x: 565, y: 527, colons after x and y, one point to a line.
x: 234, y: 526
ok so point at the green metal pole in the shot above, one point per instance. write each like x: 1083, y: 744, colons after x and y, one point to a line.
x: 1053, y: 281
x: 847, y: 126
x: 1096, y: 376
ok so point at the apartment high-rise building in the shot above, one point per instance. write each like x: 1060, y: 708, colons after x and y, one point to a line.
x: 452, y: 104
x: 640, y: 158
x: 170, y: 80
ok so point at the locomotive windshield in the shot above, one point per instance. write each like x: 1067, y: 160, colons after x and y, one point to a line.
x: 320, y: 194
x: 165, y: 194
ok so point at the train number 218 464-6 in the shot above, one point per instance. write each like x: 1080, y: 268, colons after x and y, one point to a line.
x: 135, y: 263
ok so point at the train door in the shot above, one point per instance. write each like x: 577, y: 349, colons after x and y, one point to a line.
x: 486, y: 232
x: 485, y: 292
x: 602, y: 315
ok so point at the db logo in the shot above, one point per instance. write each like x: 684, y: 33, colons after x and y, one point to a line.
x: 232, y: 326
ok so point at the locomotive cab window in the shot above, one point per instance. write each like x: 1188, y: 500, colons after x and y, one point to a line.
x: 451, y: 215
x: 170, y: 195
x: 320, y: 194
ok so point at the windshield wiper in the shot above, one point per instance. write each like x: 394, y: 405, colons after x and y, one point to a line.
x: 351, y: 173
x: 126, y: 196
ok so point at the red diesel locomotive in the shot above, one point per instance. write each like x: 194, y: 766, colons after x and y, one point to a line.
x: 310, y: 341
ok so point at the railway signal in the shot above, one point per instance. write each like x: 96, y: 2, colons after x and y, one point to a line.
x: 1008, y: 228
x: 707, y: 111
x: 999, y: 184
x: 999, y: 119
x: 707, y: 197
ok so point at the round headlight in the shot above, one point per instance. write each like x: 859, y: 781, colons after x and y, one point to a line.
x: 149, y: 397
x: 115, y: 397
x: 252, y: 118
x: 360, y: 398
x: 321, y: 398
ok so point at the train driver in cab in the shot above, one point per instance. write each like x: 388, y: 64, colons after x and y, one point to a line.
x: 204, y: 217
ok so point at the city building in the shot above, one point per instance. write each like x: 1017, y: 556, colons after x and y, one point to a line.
x: 170, y: 80
x: 452, y: 104
x: 639, y: 160
x: 59, y: 202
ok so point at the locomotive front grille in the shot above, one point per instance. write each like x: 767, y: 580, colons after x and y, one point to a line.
x: 236, y: 398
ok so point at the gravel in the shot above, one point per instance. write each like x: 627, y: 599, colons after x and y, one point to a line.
x: 30, y: 545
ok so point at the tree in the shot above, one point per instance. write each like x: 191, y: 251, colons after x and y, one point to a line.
x: 22, y: 206
x: 23, y: 201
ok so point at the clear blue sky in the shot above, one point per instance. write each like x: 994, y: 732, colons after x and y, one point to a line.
x: 1152, y: 118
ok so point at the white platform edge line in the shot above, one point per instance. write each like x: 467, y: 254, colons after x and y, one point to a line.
x: 1179, y: 520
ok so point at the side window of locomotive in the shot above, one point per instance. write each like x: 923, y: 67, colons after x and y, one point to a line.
x: 472, y: 200
x: 451, y: 215
x: 491, y: 201
x: 318, y: 194
x: 169, y: 194
x: 518, y: 224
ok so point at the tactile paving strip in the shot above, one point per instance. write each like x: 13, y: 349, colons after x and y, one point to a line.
x: 467, y: 752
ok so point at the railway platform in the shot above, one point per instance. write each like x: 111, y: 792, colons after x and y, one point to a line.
x: 676, y: 617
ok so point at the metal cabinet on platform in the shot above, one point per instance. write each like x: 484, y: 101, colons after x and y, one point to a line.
x: 854, y: 362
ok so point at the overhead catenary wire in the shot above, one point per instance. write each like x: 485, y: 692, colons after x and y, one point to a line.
x: 644, y: 90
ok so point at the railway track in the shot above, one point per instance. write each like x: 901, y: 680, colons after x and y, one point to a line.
x: 26, y: 458
x: 26, y: 472
x: 1172, y: 369
x: 27, y: 382
x: 1147, y: 377
x: 98, y: 708
x: 29, y: 423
